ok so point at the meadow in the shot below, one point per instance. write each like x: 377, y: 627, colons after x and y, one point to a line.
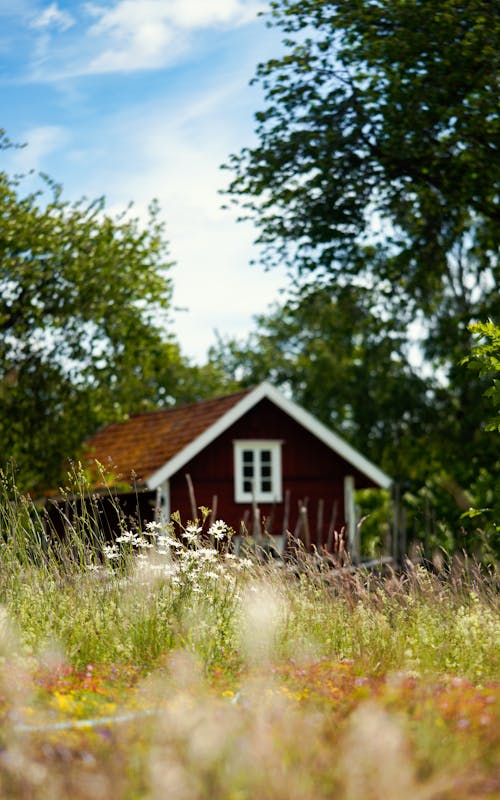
x: 164, y: 666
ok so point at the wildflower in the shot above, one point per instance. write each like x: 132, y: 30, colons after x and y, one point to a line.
x: 206, y: 554
x: 218, y: 530
x: 170, y: 570
x: 111, y: 551
x: 244, y: 563
x: 152, y: 528
x: 193, y: 528
x: 127, y: 537
x: 141, y: 542
x: 164, y: 540
x: 191, y: 532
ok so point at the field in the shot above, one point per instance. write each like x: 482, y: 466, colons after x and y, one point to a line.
x: 163, y: 666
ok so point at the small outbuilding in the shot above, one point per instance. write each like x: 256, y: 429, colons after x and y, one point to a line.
x: 259, y: 460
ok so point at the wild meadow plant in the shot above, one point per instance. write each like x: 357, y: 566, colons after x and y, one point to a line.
x: 174, y: 586
x: 267, y: 679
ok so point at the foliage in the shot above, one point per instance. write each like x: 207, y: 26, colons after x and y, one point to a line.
x: 83, y: 325
x: 375, y: 151
x: 375, y: 177
x: 406, y: 737
x: 485, y: 358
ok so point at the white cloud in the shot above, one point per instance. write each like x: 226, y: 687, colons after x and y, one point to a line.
x: 50, y: 21
x: 144, y: 34
x: 143, y: 47
x: 195, y: 14
x: 53, y: 16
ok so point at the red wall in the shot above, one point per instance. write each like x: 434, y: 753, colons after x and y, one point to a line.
x: 310, y: 470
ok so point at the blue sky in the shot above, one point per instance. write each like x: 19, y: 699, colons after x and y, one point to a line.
x: 142, y: 99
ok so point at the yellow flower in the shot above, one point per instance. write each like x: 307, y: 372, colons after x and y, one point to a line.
x: 63, y: 701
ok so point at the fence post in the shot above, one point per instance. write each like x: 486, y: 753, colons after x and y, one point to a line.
x: 395, y: 536
x: 350, y: 518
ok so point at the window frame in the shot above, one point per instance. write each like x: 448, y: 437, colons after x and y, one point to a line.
x: 257, y: 446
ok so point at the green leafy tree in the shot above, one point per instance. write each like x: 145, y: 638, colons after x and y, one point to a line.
x: 377, y: 156
x: 485, y: 358
x: 376, y: 171
x: 84, y: 302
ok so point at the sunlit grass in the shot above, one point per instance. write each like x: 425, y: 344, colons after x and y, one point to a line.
x: 250, y: 679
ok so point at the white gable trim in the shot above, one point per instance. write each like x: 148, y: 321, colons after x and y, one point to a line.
x: 332, y: 440
x: 300, y: 415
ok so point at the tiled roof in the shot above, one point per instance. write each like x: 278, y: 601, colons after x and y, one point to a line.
x: 145, y: 442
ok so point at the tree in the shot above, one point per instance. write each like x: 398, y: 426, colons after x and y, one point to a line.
x: 376, y: 171
x: 84, y: 303
x: 485, y: 358
x: 378, y: 159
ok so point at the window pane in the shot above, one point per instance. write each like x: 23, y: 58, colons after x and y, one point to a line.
x: 266, y: 486
x: 265, y: 472
x: 248, y: 471
x: 247, y: 486
x: 248, y: 456
x: 265, y: 456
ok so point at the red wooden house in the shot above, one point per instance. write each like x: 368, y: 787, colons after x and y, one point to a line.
x: 254, y: 449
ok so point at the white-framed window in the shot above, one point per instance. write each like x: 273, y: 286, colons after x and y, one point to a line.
x: 257, y: 471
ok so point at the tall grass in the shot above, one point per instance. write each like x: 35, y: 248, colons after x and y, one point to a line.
x: 165, y: 589
x: 176, y: 603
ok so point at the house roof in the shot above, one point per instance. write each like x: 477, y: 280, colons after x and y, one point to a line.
x: 155, y: 445
x: 144, y: 443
